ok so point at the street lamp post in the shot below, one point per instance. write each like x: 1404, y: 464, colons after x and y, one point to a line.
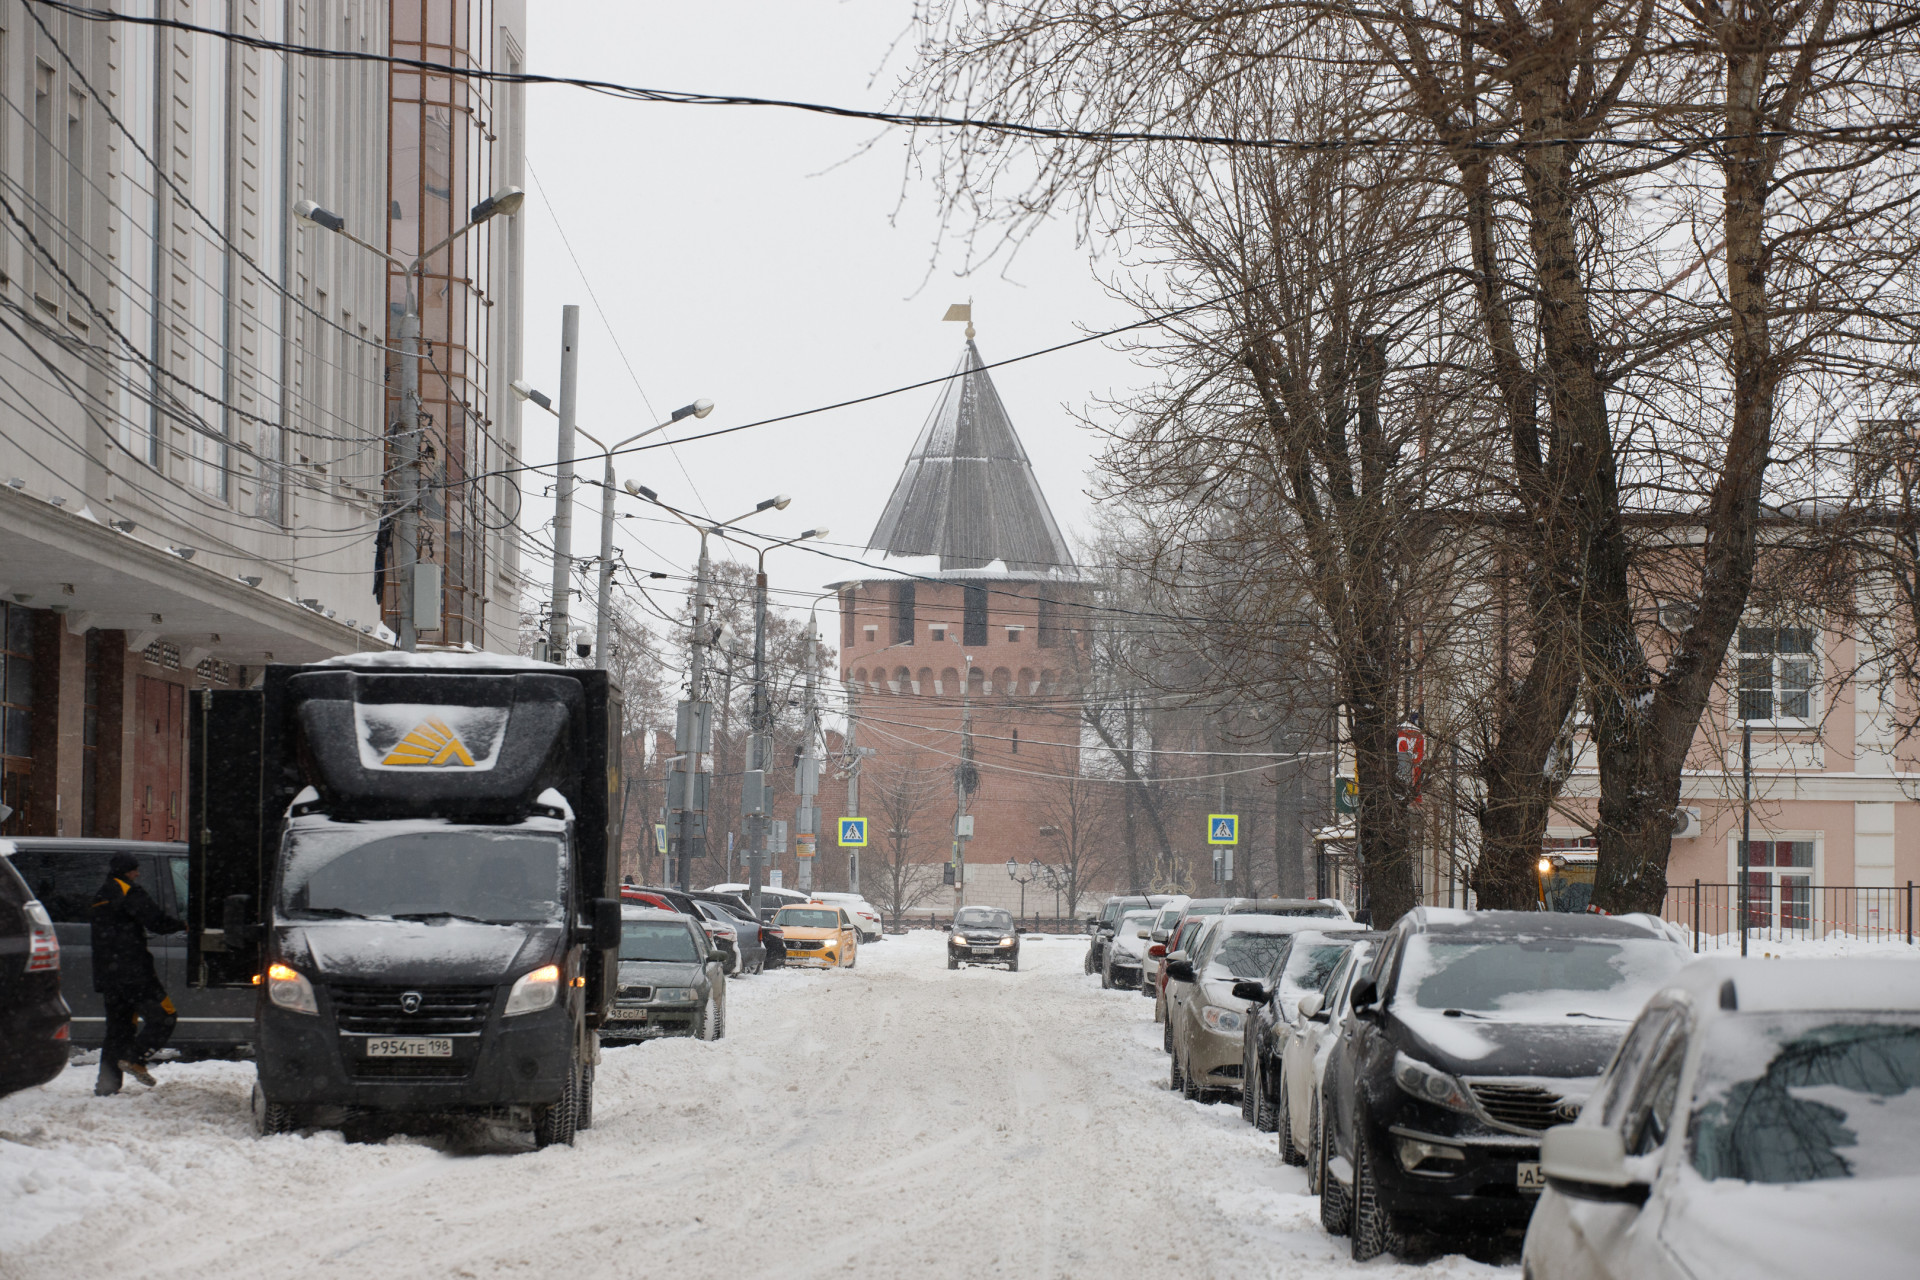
x: 760, y: 757
x: 697, y: 669
x: 1013, y: 874
x: 604, y: 596
x: 406, y: 552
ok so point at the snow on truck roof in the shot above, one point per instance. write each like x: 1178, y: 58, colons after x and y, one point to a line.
x: 440, y: 660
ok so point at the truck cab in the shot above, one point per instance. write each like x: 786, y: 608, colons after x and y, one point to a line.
x: 409, y: 861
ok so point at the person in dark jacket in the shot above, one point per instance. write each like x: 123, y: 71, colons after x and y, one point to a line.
x: 140, y: 1017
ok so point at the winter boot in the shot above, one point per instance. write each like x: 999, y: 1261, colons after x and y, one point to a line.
x: 138, y: 1070
x: 108, y: 1082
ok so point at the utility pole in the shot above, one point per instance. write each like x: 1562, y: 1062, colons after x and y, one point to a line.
x: 853, y: 798
x: 406, y: 533
x: 964, y: 776
x: 697, y: 725
x: 809, y: 774
x: 563, y: 489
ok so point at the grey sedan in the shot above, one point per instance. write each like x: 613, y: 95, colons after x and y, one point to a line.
x: 673, y: 981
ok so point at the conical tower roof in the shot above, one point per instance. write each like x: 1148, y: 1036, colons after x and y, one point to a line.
x: 968, y: 493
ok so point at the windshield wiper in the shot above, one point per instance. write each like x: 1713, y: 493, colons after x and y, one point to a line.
x: 332, y: 913
x: 1598, y: 1017
x: 1464, y: 1013
x: 441, y: 915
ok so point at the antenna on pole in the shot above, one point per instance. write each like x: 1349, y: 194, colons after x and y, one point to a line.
x: 961, y: 311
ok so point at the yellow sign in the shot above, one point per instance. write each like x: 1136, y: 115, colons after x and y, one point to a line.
x: 431, y: 743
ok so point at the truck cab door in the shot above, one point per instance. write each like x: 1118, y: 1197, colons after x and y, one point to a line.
x: 229, y: 843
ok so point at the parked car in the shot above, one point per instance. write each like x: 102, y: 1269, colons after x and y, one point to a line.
x: 720, y: 932
x: 749, y: 952
x: 984, y: 935
x: 1192, y: 933
x: 771, y: 898
x: 1302, y: 965
x: 1758, y: 1121
x: 673, y: 982
x: 1208, y: 1018
x: 1126, y: 954
x: 1474, y: 1033
x: 35, y: 1023
x: 1100, y: 929
x: 1303, y: 1060
x: 64, y: 874
x: 819, y: 936
x: 865, y: 916
x: 1320, y: 908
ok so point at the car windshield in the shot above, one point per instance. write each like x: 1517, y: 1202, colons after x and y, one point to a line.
x: 982, y: 918
x: 1803, y: 1097
x: 1559, y: 977
x: 807, y: 918
x: 1309, y: 965
x: 506, y: 874
x: 1248, y: 955
x: 663, y: 941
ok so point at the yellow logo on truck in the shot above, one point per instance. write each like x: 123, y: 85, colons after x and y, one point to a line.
x: 430, y: 743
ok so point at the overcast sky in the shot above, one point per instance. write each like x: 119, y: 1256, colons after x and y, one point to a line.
x: 761, y: 259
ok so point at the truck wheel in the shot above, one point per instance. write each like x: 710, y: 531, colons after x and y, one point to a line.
x: 585, y: 1120
x: 273, y: 1117
x: 556, y: 1124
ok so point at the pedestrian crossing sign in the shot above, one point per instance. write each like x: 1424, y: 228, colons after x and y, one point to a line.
x: 1223, y: 828
x: 659, y: 835
x: 853, y: 833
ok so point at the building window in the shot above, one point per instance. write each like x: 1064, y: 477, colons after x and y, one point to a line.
x: 16, y: 713
x: 1016, y: 742
x: 1780, y: 884
x: 872, y: 634
x: 1776, y: 673
x: 937, y: 632
x: 1013, y: 634
x: 974, y: 624
x: 903, y: 613
x: 1048, y: 634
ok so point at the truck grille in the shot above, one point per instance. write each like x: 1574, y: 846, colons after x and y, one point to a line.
x: 378, y: 1010
x: 1523, y: 1106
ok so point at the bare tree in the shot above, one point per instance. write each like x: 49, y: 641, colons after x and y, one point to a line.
x: 1077, y: 813
x: 902, y: 877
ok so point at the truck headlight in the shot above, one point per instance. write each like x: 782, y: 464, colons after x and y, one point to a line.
x: 289, y: 988
x: 1225, y: 1021
x: 534, y: 991
x: 1430, y: 1084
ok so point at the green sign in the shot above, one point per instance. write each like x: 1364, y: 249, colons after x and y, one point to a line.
x: 1346, y: 795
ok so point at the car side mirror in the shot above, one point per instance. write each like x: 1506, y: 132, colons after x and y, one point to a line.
x: 1251, y: 991
x: 1590, y: 1164
x: 606, y: 925
x: 1019, y: 928
x: 1159, y: 935
x: 1155, y: 951
x: 1180, y: 970
x: 1309, y: 1006
x: 1365, y: 995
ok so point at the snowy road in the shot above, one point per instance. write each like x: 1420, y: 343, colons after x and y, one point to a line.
x: 895, y: 1119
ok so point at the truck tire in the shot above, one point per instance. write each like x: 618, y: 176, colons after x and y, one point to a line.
x: 556, y: 1124
x: 270, y: 1118
x: 584, y: 1119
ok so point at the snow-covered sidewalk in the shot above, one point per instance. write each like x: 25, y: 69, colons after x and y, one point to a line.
x: 894, y: 1119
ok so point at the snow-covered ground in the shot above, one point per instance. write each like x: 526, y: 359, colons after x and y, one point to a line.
x: 894, y: 1119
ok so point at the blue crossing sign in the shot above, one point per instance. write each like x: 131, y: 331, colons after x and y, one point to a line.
x: 853, y: 833
x: 1223, y: 828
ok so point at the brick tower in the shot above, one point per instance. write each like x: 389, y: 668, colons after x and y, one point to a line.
x: 962, y: 667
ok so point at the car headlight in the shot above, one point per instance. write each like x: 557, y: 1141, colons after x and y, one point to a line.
x: 1006, y: 942
x: 955, y: 940
x: 1430, y: 1085
x: 534, y: 991
x: 289, y: 988
x: 1225, y: 1021
x: 674, y: 995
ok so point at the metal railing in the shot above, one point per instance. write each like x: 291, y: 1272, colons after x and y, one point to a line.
x: 1791, y: 909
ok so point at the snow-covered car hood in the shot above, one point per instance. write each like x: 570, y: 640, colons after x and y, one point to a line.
x: 1732, y: 1230
x: 1135, y: 947
x: 1497, y: 1045
x: 660, y: 973
x: 451, y: 951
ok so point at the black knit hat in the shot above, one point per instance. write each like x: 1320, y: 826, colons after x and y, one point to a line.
x: 121, y: 863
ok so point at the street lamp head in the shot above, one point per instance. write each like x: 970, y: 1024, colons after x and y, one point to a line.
x: 778, y: 502
x: 698, y: 409
x: 815, y: 533
x: 1013, y: 869
x: 507, y: 200
x: 641, y: 491
x: 526, y: 391
x: 309, y: 211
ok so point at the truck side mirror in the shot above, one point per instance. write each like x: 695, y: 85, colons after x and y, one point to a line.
x: 606, y: 924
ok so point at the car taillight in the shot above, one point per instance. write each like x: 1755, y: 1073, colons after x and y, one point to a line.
x: 63, y: 1032
x: 772, y: 932
x: 43, y: 944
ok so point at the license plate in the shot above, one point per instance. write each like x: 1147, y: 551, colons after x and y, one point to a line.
x: 983, y: 951
x: 1530, y: 1178
x: 409, y: 1047
x: 627, y: 1015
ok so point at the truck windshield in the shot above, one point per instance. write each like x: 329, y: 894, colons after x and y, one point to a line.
x: 499, y: 875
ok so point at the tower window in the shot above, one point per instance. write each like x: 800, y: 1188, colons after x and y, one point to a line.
x: 974, y: 630
x: 1016, y: 742
x: 903, y: 613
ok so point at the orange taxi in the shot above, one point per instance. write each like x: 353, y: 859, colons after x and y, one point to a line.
x: 819, y: 934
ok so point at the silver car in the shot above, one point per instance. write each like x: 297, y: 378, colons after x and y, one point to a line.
x: 673, y: 980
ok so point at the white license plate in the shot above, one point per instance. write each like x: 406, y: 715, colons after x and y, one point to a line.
x: 410, y: 1047
x: 1530, y: 1178
x: 984, y: 951
x: 627, y: 1015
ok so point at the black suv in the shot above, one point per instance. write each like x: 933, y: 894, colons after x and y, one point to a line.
x: 984, y: 935
x: 64, y: 874
x: 1101, y: 930
x: 34, y: 1023
x: 1471, y: 1034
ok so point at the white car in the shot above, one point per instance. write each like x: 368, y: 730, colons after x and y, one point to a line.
x: 1761, y: 1119
x: 865, y: 916
x: 1303, y: 1061
x: 1126, y: 956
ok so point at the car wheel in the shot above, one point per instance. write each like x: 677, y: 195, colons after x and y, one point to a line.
x: 1336, y: 1207
x: 1013, y: 965
x: 585, y: 1120
x: 1249, y: 1092
x: 1274, y: 1116
x: 709, y: 1021
x: 1086, y: 965
x: 1313, y: 1153
x: 1106, y: 978
x: 1166, y: 1036
x: 1174, y: 1080
x: 555, y: 1125
x: 1374, y: 1230
x: 1190, y: 1088
x: 273, y: 1117
x: 952, y: 963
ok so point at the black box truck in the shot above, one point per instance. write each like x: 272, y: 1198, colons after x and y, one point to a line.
x: 412, y: 858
